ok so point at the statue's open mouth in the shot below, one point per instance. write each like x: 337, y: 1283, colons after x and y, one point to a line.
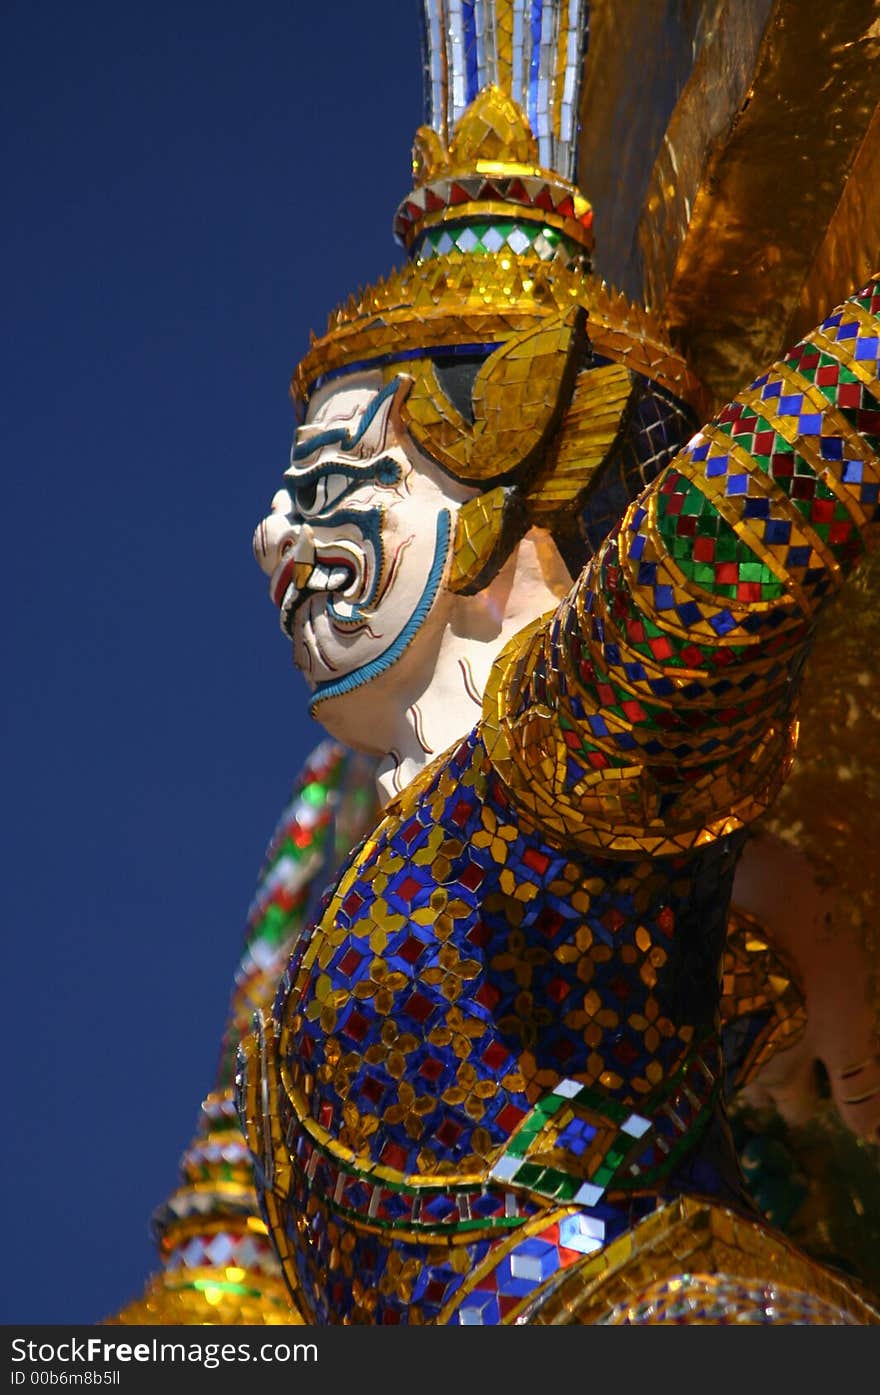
x: 337, y: 574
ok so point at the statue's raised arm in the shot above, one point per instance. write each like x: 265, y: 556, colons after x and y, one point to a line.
x: 655, y: 712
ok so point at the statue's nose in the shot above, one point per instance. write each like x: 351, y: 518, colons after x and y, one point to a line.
x: 276, y: 535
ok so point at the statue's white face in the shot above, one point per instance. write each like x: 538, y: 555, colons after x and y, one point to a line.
x: 357, y: 542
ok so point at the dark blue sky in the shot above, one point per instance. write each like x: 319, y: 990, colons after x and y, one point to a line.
x: 189, y: 187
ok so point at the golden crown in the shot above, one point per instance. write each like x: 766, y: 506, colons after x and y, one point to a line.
x: 499, y: 282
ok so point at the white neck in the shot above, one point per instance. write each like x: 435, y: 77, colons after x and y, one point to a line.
x: 440, y: 701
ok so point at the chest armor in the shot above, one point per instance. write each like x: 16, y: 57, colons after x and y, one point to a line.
x: 483, y: 1036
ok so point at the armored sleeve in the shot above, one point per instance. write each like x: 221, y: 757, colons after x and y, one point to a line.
x: 655, y: 709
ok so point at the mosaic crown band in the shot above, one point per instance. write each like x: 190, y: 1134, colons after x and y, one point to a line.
x: 490, y: 1085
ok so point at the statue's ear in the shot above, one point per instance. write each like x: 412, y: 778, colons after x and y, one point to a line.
x: 519, y: 396
x: 487, y: 529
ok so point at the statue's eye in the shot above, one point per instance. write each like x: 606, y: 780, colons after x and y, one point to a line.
x: 319, y: 493
x: 305, y: 495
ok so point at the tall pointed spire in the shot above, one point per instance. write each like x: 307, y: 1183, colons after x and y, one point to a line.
x: 533, y: 50
x: 493, y: 166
